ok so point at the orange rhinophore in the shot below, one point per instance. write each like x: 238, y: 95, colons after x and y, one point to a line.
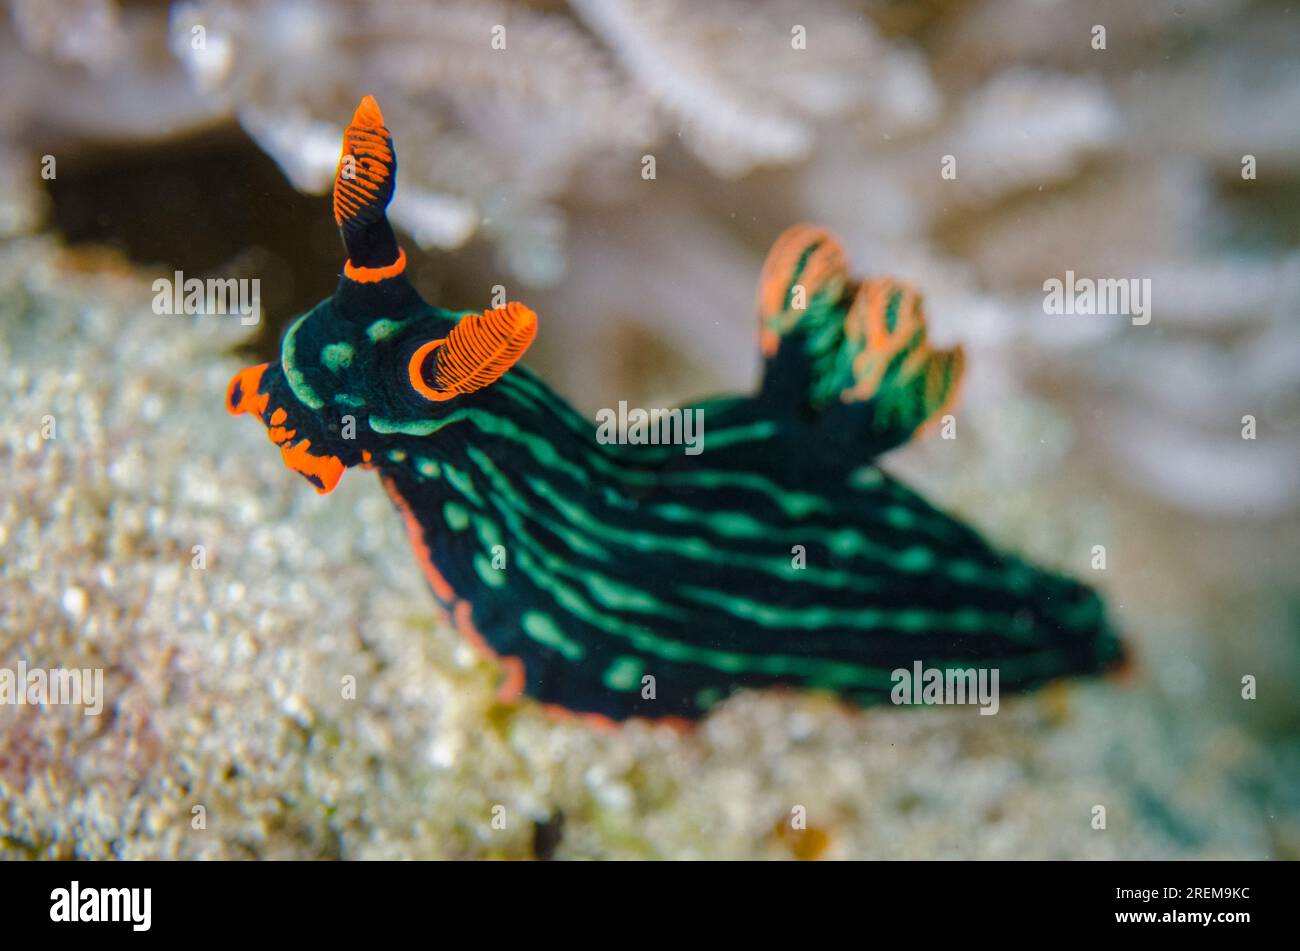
x: 477, y: 352
x: 365, y: 170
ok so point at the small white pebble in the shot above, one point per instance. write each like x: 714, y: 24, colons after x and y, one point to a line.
x: 74, y: 603
x: 800, y: 726
x: 296, y: 707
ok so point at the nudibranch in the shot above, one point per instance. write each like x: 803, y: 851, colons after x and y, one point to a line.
x: 619, y: 580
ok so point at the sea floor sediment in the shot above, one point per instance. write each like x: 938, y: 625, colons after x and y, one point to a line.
x: 161, y: 540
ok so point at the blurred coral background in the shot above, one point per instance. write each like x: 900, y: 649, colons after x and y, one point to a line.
x: 203, y: 136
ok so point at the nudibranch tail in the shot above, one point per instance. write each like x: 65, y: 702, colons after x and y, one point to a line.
x: 477, y: 352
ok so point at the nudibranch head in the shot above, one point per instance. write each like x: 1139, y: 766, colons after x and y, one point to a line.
x: 374, y: 359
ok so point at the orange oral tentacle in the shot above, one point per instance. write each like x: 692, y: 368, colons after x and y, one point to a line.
x: 242, y: 395
x: 323, y: 472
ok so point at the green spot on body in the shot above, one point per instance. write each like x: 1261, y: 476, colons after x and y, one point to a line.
x: 795, y: 504
x: 347, y: 399
x: 1020, y: 576
x: 408, y: 427
x: 915, y: 559
x: 545, y: 631
x: 462, y: 483
x: 624, y: 673
x: 613, y: 594
x: 397, y: 455
x: 913, y: 620
x: 899, y: 517
x: 294, y: 376
x: 865, y: 477
x: 428, y: 467
x: 845, y: 542
x: 336, y: 356
x: 383, y: 328
x: 754, y: 432
x: 454, y: 514
x: 965, y: 571
x: 709, y: 697
x: 492, y: 577
x: 488, y: 533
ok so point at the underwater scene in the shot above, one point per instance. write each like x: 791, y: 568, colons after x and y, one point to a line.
x: 589, y: 429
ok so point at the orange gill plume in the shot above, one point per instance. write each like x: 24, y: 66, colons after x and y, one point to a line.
x: 805, y: 256
x: 477, y: 352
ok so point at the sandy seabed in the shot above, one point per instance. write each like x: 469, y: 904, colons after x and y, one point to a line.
x: 224, y: 685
